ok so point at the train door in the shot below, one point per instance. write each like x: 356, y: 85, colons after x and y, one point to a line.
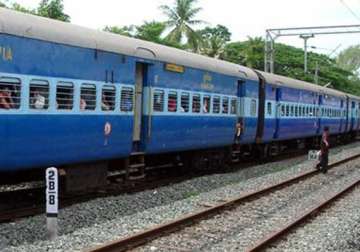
x: 240, y: 109
x: 347, y: 124
x: 352, y: 115
x: 261, y: 111
x: 140, y: 80
x: 341, y: 116
x: 277, y: 113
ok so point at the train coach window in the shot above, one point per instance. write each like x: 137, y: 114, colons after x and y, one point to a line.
x: 65, y: 95
x: 206, y: 104
x: 126, y: 99
x: 253, y: 107
x: 185, y: 100
x: 282, y: 110
x: 307, y: 112
x: 296, y: 111
x: 292, y: 110
x: 10, y: 90
x: 225, y: 105
x: 39, y: 94
x: 233, y: 106
x: 287, y: 110
x: 108, y: 98
x: 88, y: 97
x: 158, y: 101
x: 216, y: 104
x: 269, y: 108
x: 196, y: 103
x: 172, y: 101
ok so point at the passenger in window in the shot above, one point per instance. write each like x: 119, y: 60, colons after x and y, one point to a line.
x: 104, y: 103
x: 82, y: 104
x: 38, y: 100
x: 182, y: 110
x: 206, y: 105
x: 5, y: 99
x: 172, y: 104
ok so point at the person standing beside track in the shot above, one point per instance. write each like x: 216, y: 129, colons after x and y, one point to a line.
x: 324, y: 151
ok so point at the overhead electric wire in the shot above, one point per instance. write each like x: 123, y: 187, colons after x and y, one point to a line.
x: 350, y: 10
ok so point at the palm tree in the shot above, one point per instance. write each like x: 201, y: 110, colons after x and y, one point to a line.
x: 181, y: 19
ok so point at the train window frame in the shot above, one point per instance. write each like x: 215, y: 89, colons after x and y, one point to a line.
x: 196, y: 103
x: 108, y: 91
x: 63, y: 106
x: 158, y: 100
x: 42, y: 102
x: 206, y: 110
x: 269, y: 108
x: 185, y: 103
x: 233, y: 106
x: 225, y: 105
x: 127, y: 99
x: 14, y: 87
x: 253, y: 106
x: 216, y: 104
x: 90, y: 97
x: 173, y: 98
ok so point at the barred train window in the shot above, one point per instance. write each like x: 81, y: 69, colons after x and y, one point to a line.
x: 196, y: 103
x: 206, y: 104
x: 296, y: 111
x: 225, y: 105
x: 282, y: 110
x: 39, y: 94
x: 158, y: 101
x: 88, y: 97
x: 126, y: 99
x: 287, y: 110
x: 65, y: 95
x: 108, y: 98
x: 10, y: 90
x: 292, y: 110
x: 185, y: 100
x: 216, y: 104
x: 269, y: 109
x: 172, y: 101
x: 253, y: 107
x: 233, y: 106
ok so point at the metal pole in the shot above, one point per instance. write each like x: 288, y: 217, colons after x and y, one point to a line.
x: 305, y: 38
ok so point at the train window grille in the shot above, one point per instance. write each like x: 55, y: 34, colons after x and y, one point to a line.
x: 108, y: 98
x: 317, y: 112
x: 225, y: 105
x: 304, y: 111
x: 10, y: 93
x: 269, y: 108
x: 287, y: 110
x: 253, y: 107
x: 65, y: 95
x: 126, y: 99
x: 233, y: 106
x: 300, y: 111
x: 292, y: 110
x: 216, y: 104
x: 296, y: 111
x: 88, y: 97
x: 307, y: 112
x: 158, y: 101
x: 172, y: 101
x: 39, y: 94
x: 196, y: 103
x: 206, y: 104
x: 185, y: 100
x: 282, y: 110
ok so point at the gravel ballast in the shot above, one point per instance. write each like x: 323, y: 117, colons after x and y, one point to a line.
x: 101, y: 220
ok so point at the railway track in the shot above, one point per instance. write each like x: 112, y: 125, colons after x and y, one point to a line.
x: 30, y: 201
x: 144, y: 237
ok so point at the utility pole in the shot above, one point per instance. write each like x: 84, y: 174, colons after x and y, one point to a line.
x: 305, y: 38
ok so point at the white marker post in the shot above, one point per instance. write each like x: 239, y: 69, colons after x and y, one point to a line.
x: 52, y: 202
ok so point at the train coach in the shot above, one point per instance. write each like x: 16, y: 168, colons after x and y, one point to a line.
x: 72, y: 96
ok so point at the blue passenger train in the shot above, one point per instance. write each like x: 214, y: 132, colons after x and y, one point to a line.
x: 72, y: 95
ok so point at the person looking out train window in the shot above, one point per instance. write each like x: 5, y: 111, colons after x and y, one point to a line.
x: 5, y: 99
x: 82, y: 104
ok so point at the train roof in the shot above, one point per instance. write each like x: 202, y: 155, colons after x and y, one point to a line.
x: 30, y: 26
x: 293, y: 83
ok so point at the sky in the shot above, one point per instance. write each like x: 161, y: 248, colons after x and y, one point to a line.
x: 243, y: 18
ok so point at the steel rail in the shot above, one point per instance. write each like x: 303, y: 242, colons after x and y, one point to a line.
x: 140, y: 238
x: 266, y: 241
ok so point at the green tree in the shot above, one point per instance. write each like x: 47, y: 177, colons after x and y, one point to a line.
x: 151, y: 31
x: 213, y: 40
x: 52, y: 9
x: 181, y: 18
x: 128, y: 31
x: 349, y: 59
